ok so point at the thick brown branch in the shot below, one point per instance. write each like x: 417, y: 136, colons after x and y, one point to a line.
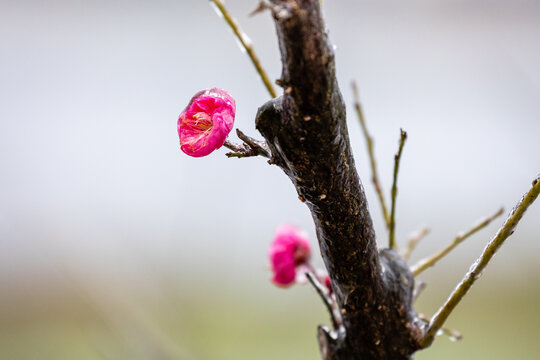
x: 307, y: 135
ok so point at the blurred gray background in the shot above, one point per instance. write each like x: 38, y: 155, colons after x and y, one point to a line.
x: 116, y: 245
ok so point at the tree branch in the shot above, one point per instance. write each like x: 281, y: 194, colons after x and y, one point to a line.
x: 371, y: 153
x: 306, y: 136
x: 246, y: 44
x: 454, y: 335
x: 306, y: 132
x: 479, y: 265
x: 413, y: 241
x: 250, y: 147
x: 431, y: 261
x: 397, y: 158
x: 418, y: 290
x: 325, y: 297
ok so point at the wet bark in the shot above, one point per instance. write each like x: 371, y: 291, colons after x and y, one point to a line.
x: 306, y: 132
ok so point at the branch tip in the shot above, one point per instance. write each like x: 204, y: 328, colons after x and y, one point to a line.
x: 432, y: 260
x: 263, y: 5
x: 413, y: 241
x: 244, y: 41
x: 418, y: 290
x: 371, y: 153
x: 397, y: 159
x: 480, y: 264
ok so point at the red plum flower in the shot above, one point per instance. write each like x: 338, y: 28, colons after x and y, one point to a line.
x: 289, y: 252
x: 205, y: 123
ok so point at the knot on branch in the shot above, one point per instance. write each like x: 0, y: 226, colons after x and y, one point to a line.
x: 332, y: 344
x: 268, y: 121
x: 397, y: 277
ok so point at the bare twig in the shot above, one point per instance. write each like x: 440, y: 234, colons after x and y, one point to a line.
x: 479, y: 265
x: 371, y: 153
x: 250, y: 147
x: 451, y: 333
x: 263, y: 5
x: 413, y: 241
x: 327, y: 300
x: 246, y: 44
x: 428, y: 262
x: 397, y: 158
x: 419, y: 289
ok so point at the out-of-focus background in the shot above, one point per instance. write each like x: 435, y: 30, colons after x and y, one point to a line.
x: 115, y: 245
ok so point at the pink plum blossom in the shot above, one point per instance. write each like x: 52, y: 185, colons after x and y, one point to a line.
x: 289, y: 254
x: 205, y: 123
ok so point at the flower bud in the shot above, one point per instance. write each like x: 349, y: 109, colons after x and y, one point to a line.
x: 328, y: 284
x: 205, y: 123
x: 289, y: 251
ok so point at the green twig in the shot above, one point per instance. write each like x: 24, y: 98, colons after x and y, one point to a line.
x: 451, y: 333
x: 246, y: 44
x: 397, y: 158
x: 371, y: 153
x: 428, y: 262
x: 413, y: 241
x: 479, y: 265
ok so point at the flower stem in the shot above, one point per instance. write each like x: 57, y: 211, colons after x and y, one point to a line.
x: 397, y: 158
x: 246, y: 44
x: 249, y: 148
x: 322, y: 291
x: 428, y: 262
x: 479, y: 265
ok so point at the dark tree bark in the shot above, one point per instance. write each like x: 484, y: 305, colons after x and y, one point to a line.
x: 306, y: 132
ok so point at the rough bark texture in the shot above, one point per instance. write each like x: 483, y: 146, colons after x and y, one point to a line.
x: 306, y: 132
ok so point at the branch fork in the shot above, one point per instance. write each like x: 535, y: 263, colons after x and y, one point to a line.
x: 250, y: 147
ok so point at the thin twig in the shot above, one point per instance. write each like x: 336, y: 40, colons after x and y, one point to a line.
x: 250, y: 147
x: 321, y: 290
x: 246, y: 44
x: 418, y: 290
x: 432, y: 260
x: 413, y: 241
x: 260, y: 146
x: 371, y: 153
x: 451, y: 333
x: 476, y: 269
x: 237, y: 148
x: 397, y: 158
x: 263, y: 5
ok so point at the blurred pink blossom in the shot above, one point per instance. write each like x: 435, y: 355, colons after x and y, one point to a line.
x: 205, y: 123
x: 328, y: 284
x: 289, y: 252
